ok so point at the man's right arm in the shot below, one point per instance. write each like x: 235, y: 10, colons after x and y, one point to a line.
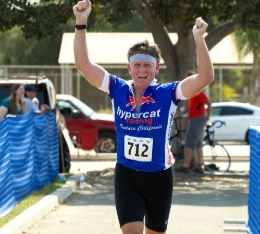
x: 93, y: 72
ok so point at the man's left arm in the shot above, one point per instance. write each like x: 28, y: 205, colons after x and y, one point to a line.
x: 195, y: 83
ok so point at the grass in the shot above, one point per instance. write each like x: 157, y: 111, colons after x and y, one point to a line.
x: 30, y: 200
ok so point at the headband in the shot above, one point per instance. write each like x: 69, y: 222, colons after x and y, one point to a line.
x: 143, y: 57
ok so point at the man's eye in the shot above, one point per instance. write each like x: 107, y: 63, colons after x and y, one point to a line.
x: 147, y: 65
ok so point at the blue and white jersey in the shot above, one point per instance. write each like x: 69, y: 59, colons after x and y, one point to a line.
x: 143, y: 137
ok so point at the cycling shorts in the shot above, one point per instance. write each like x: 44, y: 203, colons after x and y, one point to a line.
x: 143, y: 194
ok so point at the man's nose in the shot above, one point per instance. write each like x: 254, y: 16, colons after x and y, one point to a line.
x: 142, y: 68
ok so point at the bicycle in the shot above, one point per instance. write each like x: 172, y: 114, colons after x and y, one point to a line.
x: 177, y: 141
x: 215, y: 155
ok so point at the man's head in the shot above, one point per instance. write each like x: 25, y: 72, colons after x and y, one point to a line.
x: 144, y: 58
x: 145, y: 48
x: 30, y: 91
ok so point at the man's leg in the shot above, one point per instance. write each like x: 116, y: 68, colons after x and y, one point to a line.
x: 199, y: 167
x: 133, y: 227
x: 187, y: 157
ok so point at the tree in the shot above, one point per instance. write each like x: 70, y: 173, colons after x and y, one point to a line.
x: 44, y: 17
x: 248, y: 41
x: 16, y: 50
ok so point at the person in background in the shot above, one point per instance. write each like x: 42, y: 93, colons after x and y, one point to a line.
x: 31, y: 99
x: 198, y: 108
x: 15, y: 104
x: 32, y: 103
x: 144, y: 112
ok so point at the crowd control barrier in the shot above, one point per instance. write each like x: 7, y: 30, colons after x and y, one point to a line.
x: 29, y: 156
x: 254, y: 181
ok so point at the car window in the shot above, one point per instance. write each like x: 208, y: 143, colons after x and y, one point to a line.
x: 232, y: 110
x: 215, y: 111
x: 83, y: 107
x: 42, y: 95
x: 4, y: 92
x: 65, y: 108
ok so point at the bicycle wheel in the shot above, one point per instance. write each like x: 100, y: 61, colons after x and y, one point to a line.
x: 177, y: 150
x: 216, y: 158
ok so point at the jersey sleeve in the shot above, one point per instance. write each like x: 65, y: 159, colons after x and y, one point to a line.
x: 176, y: 93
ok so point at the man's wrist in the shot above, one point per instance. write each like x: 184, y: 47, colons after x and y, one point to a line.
x: 81, y: 26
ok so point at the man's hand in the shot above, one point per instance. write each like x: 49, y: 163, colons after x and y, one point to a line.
x: 200, y: 27
x: 82, y: 11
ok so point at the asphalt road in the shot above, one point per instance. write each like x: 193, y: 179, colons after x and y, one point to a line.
x: 200, y: 205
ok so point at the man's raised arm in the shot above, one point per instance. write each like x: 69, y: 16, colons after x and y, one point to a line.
x: 195, y: 83
x: 93, y: 72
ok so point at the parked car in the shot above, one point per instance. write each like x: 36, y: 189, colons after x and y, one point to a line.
x: 238, y: 118
x: 46, y: 94
x: 91, y: 130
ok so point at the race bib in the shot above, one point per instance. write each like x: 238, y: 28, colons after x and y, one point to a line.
x: 138, y: 148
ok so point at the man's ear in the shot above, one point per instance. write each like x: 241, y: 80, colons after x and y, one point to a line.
x: 128, y: 67
x: 157, y: 68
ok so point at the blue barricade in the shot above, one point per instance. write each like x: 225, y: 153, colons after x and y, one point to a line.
x: 254, y: 181
x: 29, y: 156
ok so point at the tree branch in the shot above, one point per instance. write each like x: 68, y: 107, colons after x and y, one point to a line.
x: 160, y: 34
x: 218, y: 33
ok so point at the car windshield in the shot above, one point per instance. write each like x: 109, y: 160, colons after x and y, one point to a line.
x: 83, y: 107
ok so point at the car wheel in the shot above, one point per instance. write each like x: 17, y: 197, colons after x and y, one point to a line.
x: 247, y: 137
x: 64, y: 156
x: 106, y: 143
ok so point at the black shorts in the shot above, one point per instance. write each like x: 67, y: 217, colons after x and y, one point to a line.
x: 143, y: 194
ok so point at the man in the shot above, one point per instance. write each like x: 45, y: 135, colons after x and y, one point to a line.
x: 31, y: 99
x: 144, y: 111
x: 198, y: 116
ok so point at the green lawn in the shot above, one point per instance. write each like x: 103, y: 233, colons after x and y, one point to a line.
x: 28, y: 201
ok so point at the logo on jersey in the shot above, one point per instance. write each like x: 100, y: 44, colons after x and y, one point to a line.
x: 146, y: 100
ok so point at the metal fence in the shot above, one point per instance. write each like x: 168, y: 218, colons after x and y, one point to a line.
x: 68, y: 80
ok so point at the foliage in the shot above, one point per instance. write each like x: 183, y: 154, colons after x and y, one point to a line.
x: 36, y: 18
x: 247, y: 41
x: 46, y: 18
x: 16, y: 49
x: 135, y: 25
x: 168, y: 11
x: 228, y: 93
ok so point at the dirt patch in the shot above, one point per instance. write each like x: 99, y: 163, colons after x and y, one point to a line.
x: 193, y: 181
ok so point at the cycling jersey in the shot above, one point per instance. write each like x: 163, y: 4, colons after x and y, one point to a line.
x: 143, y: 137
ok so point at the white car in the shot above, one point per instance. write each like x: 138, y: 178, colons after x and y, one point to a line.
x: 238, y: 118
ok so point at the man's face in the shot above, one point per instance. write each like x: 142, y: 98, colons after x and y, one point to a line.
x: 143, y: 73
x: 30, y: 94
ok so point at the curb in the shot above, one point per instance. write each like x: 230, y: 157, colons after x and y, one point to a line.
x: 35, y: 213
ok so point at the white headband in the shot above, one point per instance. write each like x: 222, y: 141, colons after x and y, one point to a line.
x: 143, y: 57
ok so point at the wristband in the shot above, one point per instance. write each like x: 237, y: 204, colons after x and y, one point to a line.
x: 80, y: 26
